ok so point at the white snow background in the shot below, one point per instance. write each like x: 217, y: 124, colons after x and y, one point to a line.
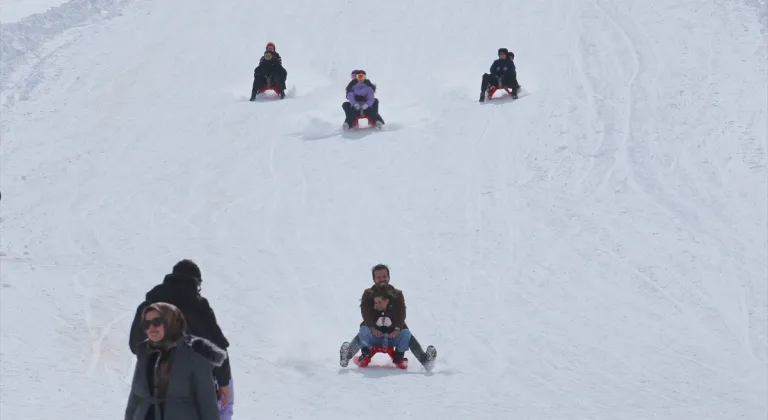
x: 595, y: 250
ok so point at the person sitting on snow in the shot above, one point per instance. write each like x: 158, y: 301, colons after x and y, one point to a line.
x: 269, y: 72
x: 361, y: 98
x: 502, y: 73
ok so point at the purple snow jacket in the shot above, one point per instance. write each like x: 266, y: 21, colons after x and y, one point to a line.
x: 361, y: 93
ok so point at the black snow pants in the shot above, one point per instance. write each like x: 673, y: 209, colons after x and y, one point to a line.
x: 352, y: 113
x: 276, y: 77
x: 508, y: 79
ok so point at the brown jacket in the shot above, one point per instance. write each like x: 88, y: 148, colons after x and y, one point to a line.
x: 395, y: 311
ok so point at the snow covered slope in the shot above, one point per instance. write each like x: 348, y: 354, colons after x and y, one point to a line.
x: 594, y: 250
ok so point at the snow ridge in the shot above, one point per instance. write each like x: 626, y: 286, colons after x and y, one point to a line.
x: 26, y: 45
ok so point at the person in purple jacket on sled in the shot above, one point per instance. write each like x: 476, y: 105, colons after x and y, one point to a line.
x: 361, y: 101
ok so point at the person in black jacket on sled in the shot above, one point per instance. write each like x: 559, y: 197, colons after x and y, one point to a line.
x: 503, y: 73
x: 270, y: 72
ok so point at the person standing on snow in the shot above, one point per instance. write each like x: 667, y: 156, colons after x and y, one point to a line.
x: 172, y: 377
x: 181, y: 288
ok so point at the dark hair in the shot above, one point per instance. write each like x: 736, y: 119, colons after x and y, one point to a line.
x: 190, y: 269
x: 381, y: 293
x: 378, y: 267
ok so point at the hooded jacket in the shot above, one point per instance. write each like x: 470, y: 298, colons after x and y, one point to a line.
x: 181, y: 291
x: 175, y: 383
x: 361, y: 93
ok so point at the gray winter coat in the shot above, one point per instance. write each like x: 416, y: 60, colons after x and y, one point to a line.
x: 191, y: 393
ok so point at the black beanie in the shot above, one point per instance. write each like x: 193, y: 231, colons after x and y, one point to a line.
x: 187, y: 268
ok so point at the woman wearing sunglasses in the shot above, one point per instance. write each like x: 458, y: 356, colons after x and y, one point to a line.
x: 172, y: 379
x: 361, y: 101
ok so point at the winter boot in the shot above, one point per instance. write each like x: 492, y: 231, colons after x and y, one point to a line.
x: 482, y: 96
x: 365, y: 357
x: 344, y: 354
x: 399, y: 360
x: 428, y: 359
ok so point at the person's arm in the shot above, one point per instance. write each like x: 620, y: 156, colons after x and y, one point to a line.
x: 137, y: 334
x: 399, y: 321
x: 366, y: 305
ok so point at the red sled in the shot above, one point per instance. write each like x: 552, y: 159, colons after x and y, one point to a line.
x: 493, y: 90
x: 356, y: 122
x: 376, y: 350
x: 272, y: 88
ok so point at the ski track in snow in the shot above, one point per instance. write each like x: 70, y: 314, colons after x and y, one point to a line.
x: 595, y: 249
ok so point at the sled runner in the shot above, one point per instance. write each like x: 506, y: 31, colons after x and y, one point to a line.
x: 390, y: 351
x: 493, y: 90
x: 371, y: 122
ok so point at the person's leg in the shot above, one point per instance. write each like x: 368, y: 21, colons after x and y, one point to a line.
x: 259, y: 82
x: 485, y: 84
x: 402, y: 342
x: 510, y: 80
x: 354, y: 345
x: 373, y: 112
x: 278, y: 79
x: 367, y: 339
x: 416, y: 349
x: 348, y: 350
x: 350, y: 113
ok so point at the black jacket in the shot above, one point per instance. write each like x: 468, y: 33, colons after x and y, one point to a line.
x: 268, y: 67
x: 201, y: 321
x: 275, y: 57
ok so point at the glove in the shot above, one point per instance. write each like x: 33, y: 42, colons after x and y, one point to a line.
x: 365, y: 106
x: 357, y: 106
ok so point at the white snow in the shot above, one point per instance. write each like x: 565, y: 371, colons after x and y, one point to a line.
x: 16, y: 10
x: 595, y: 250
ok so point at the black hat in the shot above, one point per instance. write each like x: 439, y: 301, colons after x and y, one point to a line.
x: 503, y: 50
x: 188, y: 268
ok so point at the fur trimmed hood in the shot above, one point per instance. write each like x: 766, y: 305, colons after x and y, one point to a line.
x: 211, y: 352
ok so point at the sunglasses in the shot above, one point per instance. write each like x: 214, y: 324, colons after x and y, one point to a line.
x: 154, y: 322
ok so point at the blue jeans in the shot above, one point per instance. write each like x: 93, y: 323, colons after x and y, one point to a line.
x: 400, y: 343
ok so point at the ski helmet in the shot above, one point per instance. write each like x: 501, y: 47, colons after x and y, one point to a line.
x: 354, y: 73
